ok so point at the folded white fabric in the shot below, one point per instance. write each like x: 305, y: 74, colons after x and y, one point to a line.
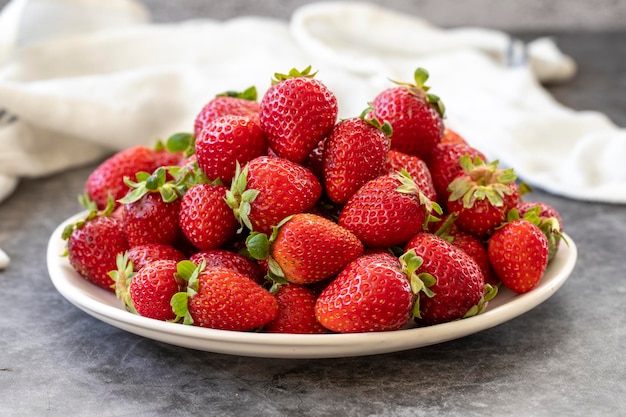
x: 92, y: 77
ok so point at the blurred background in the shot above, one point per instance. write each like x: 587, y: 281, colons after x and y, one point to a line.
x: 512, y: 15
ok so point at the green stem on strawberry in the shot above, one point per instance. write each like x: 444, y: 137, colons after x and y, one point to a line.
x: 93, y: 213
x: 420, y: 89
x: 489, y: 293
x: 420, y: 283
x: 239, y: 198
x: 146, y: 183
x: 186, y: 271
x: 409, y: 186
x: 122, y: 277
x: 249, y: 93
x: 293, y: 73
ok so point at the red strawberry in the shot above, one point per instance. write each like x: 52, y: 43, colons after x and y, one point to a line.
x: 150, y: 210
x: 481, y: 196
x: 225, y: 141
x: 296, y: 112
x: 450, y: 136
x: 354, y: 153
x: 268, y: 189
x: 417, y: 169
x: 296, y: 312
x: 387, y: 211
x: 204, y: 217
x: 370, y: 294
x: 549, y: 221
x: 453, y: 282
x: 229, y: 103
x: 415, y: 115
x: 231, y: 260
x: 309, y: 248
x: 93, y: 244
x: 445, y: 165
x: 108, y: 178
x: 221, y: 298
x: 518, y: 252
x: 149, y: 291
x: 314, y: 162
x: 143, y: 254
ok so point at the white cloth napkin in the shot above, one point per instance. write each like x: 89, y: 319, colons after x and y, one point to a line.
x: 80, y: 78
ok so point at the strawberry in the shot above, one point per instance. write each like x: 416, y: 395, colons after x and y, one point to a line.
x: 296, y: 312
x: 149, y: 291
x: 307, y: 248
x: 415, y: 115
x: 445, y: 165
x: 296, y: 112
x: 141, y: 255
x: 549, y: 221
x: 370, y: 294
x: 108, y: 178
x: 231, y: 260
x: 204, y: 217
x: 453, y: 284
x: 387, y: 211
x: 481, y: 196
x: 416, y: 168
x: 354, y: 153
x: 228, y: 103
x: 268, y: 189
x: 225, y: 141
x: 314, y: 162
x: 450, y: 136
x: 150, y: 210
x: 518, y: 252
x: 93, y: 244
x: 221, y: 298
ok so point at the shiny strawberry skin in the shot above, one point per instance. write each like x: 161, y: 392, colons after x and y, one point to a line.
x: 444, y: 165
x: 459, y: 280
x: 417, y: 126
x: 416, y: 167
x: 108, y: 178
x: 380, y: 216
x: 151, y: 220
x: 225, y: 141
x: 518, y: 252
x: 296, y: 312
x: 93, y: 248
x: 141, y: 255
x: 371, y: 294
x: 354, y: 153
x: 152, y: 289
x: 295, y: 115
x: 478, y: 251
x: 204, y: 217
x: 231, y: 260
x: 223, y: 106
x: 310, y: 248
x: 285, y: 188
x: 228, y: 300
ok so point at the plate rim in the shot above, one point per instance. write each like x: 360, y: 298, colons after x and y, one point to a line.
x: 273, y: 345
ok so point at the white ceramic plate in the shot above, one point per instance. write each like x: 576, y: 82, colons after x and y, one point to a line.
x: 103, y: 305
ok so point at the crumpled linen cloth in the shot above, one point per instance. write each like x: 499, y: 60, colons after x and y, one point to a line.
x: 82, y: 78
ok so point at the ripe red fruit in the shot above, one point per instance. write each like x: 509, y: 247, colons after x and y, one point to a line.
x: 371, y: 294
x: 456, y: 282
x: 450, y: 136
x: 232, y: 260
x: 387, y: 211
x: 518, y: 252
x: 309, y: 248
x: 143, y: 254
x: 93, y: 245
x: 151, y: 289
x: 445, y: 165
x: 296, y: 312
x: 354, y: 153
x: 549, y: 221
x: 204, y: 217
x: 415, y: 115
x: 296, y: 112
x: 230, y: 103
x: 225, y: 141
x: 107, y: 180
x: 268, y: 189
x: 481, y: 196
x: 221, y: 298
x: 151, y: 220
x: 416, y: 168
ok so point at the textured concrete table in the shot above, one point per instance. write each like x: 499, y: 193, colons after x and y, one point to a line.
x: 563, y: 358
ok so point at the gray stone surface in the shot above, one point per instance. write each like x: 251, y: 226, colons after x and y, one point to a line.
x: 563, y: 358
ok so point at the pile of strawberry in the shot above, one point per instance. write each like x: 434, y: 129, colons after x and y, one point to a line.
x: 275, y: 216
